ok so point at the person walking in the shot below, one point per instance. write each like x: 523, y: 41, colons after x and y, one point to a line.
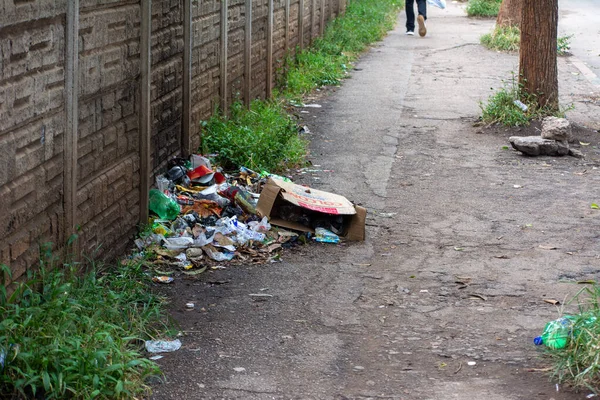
x: 410, y: 17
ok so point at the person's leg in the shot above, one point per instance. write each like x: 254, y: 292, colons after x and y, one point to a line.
x: 410, y: 15
x: 422, y: 6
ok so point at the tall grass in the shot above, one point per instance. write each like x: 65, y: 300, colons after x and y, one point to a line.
x: 64, y: 334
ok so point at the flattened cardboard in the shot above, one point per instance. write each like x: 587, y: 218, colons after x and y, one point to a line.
x: 276, y: 191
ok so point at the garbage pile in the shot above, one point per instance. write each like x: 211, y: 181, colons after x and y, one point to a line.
x: 202, y: 216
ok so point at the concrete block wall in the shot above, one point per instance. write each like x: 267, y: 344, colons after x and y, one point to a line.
x: 88, y: 173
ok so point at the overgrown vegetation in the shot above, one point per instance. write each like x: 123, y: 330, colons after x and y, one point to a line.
x: 67, y: 334
x: 579, y: 363
x: 508, y: 38
x: 262, y: 138
x: 503, y: 38
x: 511, y: 106
x: 483, y: 8
x: 265, y: 138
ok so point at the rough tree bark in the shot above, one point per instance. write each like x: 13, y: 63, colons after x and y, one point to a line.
x: 510, y: 13
x: 537, y: 56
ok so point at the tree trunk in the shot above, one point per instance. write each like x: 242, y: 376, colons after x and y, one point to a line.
x: 537, y: 56
x: 510, y: 13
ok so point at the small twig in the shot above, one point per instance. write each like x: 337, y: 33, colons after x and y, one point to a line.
x: 459, y: 368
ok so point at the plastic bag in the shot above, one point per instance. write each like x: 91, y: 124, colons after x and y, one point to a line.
x: 323, y: 235
x: 438, y: 3
x: 178, y: 243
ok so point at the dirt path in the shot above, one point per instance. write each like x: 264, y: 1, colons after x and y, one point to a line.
x: 395, y: 317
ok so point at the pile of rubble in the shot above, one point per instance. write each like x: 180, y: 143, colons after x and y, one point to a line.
x: 553, y: 141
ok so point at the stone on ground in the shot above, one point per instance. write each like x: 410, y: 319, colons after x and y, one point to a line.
x: 556, y: 129
x: 538, y: 146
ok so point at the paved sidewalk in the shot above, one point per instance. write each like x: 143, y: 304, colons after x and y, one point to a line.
x: 451, y: 272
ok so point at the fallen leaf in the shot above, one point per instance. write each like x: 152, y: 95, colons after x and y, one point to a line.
x: 584, y: 144
x: 545, y: 247
x: 594, y: 206
x: 504, y: 147
x: 475, y: 296
x: 552, y: 301
x: 458, y: 248
x: 588, y: 282
x: 196, y: 272
x: 581, y: 173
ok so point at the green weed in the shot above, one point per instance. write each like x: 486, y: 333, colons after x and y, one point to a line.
x: 483, y: 8
x: 501, y: 107
x: 503, y: 38
x: 64, y: 334
x: 579, y: 363
x: 563, y: 45
x: 262, y: 138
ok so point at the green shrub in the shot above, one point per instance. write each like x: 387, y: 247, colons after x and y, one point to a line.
x: 483, y: 8
x: 262, y: 138
x: 66, y: 335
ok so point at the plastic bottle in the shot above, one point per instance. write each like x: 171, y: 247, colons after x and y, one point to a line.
x: 556, y: 334
x: 162, y: 205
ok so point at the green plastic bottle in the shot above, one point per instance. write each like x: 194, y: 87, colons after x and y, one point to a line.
x: 557, y: 333
x: 162, y: 205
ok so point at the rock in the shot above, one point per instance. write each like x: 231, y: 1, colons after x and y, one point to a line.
x: 556, y: 129
x: 538, y: 146
x: 576, y: 153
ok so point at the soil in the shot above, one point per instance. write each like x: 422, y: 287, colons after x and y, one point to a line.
x: 465, y: 240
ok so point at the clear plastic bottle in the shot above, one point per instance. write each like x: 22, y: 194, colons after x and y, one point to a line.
x: 162, y: 205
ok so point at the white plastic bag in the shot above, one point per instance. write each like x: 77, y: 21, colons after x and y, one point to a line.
x: 438, y: 3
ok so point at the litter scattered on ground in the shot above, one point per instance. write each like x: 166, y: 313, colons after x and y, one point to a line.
x: 154, y: 358
x: 471, y: 363
x: 162, y: 346
x: 202, y: 217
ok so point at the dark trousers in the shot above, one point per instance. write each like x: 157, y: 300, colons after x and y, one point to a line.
x: 410, y: 12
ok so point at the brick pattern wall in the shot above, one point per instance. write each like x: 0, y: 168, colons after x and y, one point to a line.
x: 33, y: 109
x: 32, y: 125
x: 108, y: 141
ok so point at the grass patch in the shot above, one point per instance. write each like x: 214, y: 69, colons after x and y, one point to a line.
x: 508, y: 38
x: 503, y: 38
x: 501, y: 107
x: 327, y: 61
x: 579, y: 363
x: 483, y: 8
x: 266, y: 137
x: 69, y: 335
x: 262, y: 138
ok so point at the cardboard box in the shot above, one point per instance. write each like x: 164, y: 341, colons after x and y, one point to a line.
x: 278, y: 192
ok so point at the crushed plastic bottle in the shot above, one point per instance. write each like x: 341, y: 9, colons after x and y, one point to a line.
x: 323, y: 235
x: 556, y: 333
x: 162, y: 346
x: 162, y: 205
x: 521, y: 105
